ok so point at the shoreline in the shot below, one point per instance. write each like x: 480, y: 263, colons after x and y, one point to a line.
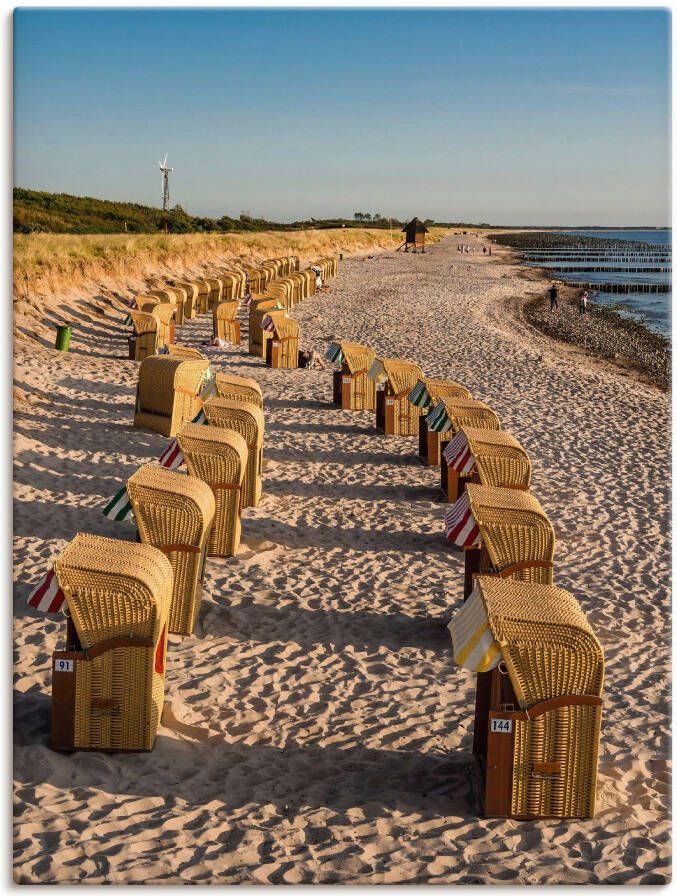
x: 602, y: 334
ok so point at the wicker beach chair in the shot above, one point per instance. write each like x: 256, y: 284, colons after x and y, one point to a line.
x: 538, y: 702
x: 144, y: 341
x: 504, y: 532
x: 219, y: 458
x: 425, y: 395
x: 395, y: 414
x: 225, y: 325
x: 174, y: 513
x: 309, y: 280
x: 489, y: 457
x: 190, y: 302
x: 168, y: 393
x: 282, y: 290
x: 108, y: 684
x: 446, y: 418
x: 282, y: 348
x: 238, y: 388
x: 215, y: 292
x: 258, y: 309
x: 233, y: 285
x: 173, y: 296
x: 353, y: 389
x: 186, y: 352
x: 257, y: 280
x: 204, y: 290
x: 247, y: 420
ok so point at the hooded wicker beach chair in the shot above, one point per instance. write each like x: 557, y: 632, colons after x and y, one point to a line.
x: 174, y: 513
x: 215, y: 292
x: 489, y: 457
x: 425, y: 395
x: 186, y: 352
x: 232, y: 285
x: 225, y: 325
x: 353, y: 389
x: 395, y: 414
x: 219, y: 458
x: 282, y: 348
x: 247, y: 420
x: 309, y: 280
x: 538, y: 709
x: 108, y: 684
x: 204, y: 290
x: 258, y: 309
x: 257, y: 280
x: 446, y: 418
x: 145, y: 302
x: 282, y: 290
x: 172, y: 296
x: 504, y: 532
x: 168, y: 393
x: 190, y: 302
x: 144, y: 340
x: 238, y: 388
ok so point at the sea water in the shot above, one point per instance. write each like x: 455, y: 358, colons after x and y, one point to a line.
x: 652, y: 309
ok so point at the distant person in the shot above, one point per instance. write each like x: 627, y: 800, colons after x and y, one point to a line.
x: 552, y: 292
x: 489, y: 250
x: 583, y: 302
x: 484, y: 250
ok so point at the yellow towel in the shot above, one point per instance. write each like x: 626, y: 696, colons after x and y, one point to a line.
x: 474, y: 645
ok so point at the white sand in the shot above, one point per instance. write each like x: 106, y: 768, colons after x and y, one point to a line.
x: 317, y: 729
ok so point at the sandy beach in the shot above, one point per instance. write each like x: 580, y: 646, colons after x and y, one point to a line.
x: 316, y: 729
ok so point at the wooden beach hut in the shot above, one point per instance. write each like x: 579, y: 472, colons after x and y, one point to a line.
x: 108, y: 684
x: 414, y: 238
x: 395, y: 414
x: 353, y: 390
x: 168, y: 393
x: 174, y: 513
x: 538, y: 707
x: 247, y: 420
x: 219, y: 458
x: 426, y: 394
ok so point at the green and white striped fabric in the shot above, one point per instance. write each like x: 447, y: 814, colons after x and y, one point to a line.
x: 128, y: 320
x: 438, y: 419
x: 334, y: 354
x: 419, y: 395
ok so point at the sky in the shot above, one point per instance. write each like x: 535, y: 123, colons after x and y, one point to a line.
x: 503, y: 116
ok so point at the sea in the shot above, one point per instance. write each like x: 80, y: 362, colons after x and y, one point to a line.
x: 654, y: 310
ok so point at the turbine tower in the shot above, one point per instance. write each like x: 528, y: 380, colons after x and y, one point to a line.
x: 165, y: 183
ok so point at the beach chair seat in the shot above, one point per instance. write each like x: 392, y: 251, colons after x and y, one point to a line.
x: 108, y: 684
x: 395, y: 414
x: 219, y: 458
x: 504, y: 532
x: 538, y: 705
x: 446, y: 418
x: 247, y: 420
x: 168, y: 393
x: 353, y: 390
x: 489, y: 457
x: 238, y: 388
x: 257, y: 338
x: 225, y: 325
x: 190, y: 302
x: 282, y: 348
x: 174, y: 513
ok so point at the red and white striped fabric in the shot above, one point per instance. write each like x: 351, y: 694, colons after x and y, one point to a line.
x: 459, y: 524
x: 268, y: 323
x: 172, y: 457
x: 458, y: 455
x: 47, y: 597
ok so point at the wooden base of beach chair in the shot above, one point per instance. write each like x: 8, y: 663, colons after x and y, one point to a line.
x: 281, y: 354
x: 450, y: 482
x: 380, y: 410
x: 131, y: 348
x: 337, y: 396
x: 172, y: 334
x: 429, y: 444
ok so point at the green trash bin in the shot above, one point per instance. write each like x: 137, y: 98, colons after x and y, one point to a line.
x: 63, y: 338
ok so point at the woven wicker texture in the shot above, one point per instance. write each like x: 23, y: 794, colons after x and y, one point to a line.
x: 215, y: 291
x: 469, y: 412
x: 190, y: 303
x: 170, y: 296
x: 257, y: 311
x: 174, y: 513
x: 285, y: 327
x: 232, y: 283
x: 186, y: 352
x: 146, y: 332
x: 219, y: 458
x: 168, y: 393
x: 238, y: 388
x: 514, y: 529
x: 550, y: 652
x: 499, y: 458
x: 223, y: 317
x: 247, y: 420
x: 358, y: 357
x: 438, y: 389
x: 402, y: 375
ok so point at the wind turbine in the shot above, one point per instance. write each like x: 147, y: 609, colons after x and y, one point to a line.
x: 165, y: 183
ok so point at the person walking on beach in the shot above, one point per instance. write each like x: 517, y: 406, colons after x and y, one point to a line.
x: 583, y: 302
x: 552, y: 292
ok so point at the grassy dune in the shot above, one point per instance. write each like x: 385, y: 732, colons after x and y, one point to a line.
x: 50, y: 265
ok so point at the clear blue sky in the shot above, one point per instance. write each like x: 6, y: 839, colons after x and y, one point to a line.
x: 505, y: 116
